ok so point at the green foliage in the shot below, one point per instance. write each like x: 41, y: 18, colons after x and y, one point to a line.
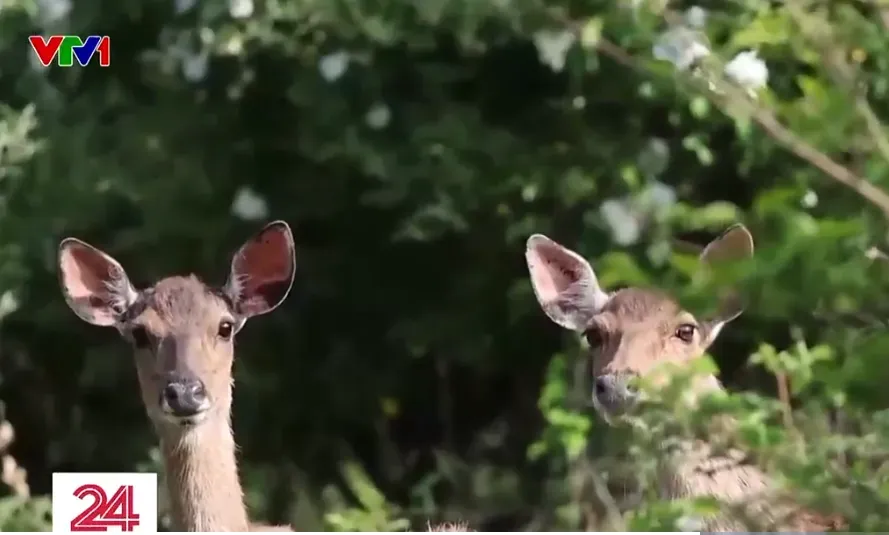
x: 567, y: 428
x: 374, y: 512
x: 25, y: 514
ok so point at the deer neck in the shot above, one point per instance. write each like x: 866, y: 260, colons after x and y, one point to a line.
x: 696, y: 469
x: 202, y: 479
x: 729, y: 477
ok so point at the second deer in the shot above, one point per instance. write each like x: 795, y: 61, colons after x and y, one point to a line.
x: 630, y: 332
x: 182, y: 332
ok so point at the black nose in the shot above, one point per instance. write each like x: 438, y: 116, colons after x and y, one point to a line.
x: 604, y: 387
x: 613, y: 391
x: 185, y: 397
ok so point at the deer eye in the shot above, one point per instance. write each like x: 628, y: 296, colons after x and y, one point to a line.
x: 226, y: 328
x: 140, y: 337
x: 686, y: 332
x: 594, y: 337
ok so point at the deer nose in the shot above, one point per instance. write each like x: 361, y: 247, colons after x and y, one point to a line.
x: 604, y: 387
x: 612, y: 392
x: 185, y: 397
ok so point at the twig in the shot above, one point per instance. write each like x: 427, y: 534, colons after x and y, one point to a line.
x: 446, y: 403
x: 613, y: 517
x: 783, y: 136
x: 784, y: 397
x: 837, y: 171
x: 882, y: 9
x: 11, y: 474
x: 834, y: 58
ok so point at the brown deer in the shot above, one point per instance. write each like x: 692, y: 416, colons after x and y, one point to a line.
x: 630, y: 332
x: 182, y: 332
x: 450, y: 526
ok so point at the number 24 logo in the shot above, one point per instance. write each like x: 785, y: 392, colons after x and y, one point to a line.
x: 104, y: 512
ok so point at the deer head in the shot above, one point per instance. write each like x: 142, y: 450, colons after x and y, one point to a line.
x: 632, y: 330
x: 182, y: 330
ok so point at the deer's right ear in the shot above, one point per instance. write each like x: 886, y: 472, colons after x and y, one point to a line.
x: 564, y: 283
x: 95, y: 285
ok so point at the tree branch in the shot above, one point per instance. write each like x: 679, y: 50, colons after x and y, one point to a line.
x: 782, y: 135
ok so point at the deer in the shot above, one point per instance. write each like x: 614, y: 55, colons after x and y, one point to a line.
x: 630, y: 332
x: 449, y: 526
x: 182, y: 333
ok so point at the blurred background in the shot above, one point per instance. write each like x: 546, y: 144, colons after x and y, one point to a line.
x: 413, y: 147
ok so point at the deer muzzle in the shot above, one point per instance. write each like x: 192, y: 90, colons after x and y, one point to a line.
x: 613, y: 394
x: 185, y: 400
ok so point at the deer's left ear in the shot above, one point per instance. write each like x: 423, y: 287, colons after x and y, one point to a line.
x: 262, y: 271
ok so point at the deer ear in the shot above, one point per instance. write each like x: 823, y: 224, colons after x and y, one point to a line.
x: 564, y: 283
x: 95, y: 285
x: 734, y: 245
x: 262, y: 271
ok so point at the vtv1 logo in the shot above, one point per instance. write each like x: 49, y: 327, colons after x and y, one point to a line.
x: 85, y: 502
x: 64, y: 49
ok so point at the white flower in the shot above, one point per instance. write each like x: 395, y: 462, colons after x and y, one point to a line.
x: 52, y: 11
x: 748, y: 71
x: 182, y: 6
x: 378, y: 116
x: 334, y: 65
x: 194, y: 66
x: 653, y: 159
x: 9, y: 303
x: 658, y: 196
x: 681, y: 46
x: 34, y: 61
x: 624, y: 226
x: 659, y: 252
x: 249, y: 206
x: 651, y: 6
x: 810, y: 199
x: 689, y: 523
x: 233, y: 44
x: 240, y: 9
x: 696, y: 17
x: 552, y: 47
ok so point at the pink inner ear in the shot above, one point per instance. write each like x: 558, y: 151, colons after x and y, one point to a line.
x: 85, y: 274
x: 264, y: 267
x: 95, y: 286
x: 552, y: 270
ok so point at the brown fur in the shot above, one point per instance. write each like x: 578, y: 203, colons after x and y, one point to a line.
x: 639, y: 326
x: 450, y: 526
x: 634, y: 330
x: 183, y: 314
x: 182, y: 319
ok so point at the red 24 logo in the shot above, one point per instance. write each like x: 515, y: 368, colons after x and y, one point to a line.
x: 104, y: 512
